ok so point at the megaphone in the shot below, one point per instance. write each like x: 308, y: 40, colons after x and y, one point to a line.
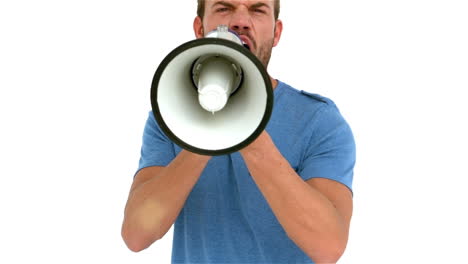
x: 212, y: 96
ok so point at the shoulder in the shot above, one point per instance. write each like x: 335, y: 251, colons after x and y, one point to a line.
x: 319, y: 115
x: 304, y: 101
x: 303, y: 96
x: 152, y: 129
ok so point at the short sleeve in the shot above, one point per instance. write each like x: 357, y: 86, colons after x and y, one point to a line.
x: 157, y: 149
x: 331, y: 152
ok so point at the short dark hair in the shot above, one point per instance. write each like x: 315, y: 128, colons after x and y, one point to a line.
x: 201, y: 8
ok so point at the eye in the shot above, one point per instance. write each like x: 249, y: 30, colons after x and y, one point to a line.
x: 258, y: 10
x: 222, y: 9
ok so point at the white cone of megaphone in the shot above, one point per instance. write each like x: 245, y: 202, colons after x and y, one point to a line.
x: 212, y: 96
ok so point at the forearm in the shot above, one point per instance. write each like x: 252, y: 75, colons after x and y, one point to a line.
x: 306, y: 215
x: 154, y: 205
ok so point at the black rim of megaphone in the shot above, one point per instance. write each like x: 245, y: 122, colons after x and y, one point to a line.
x: 211, y: 41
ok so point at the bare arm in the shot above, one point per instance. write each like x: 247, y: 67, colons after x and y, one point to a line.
x: 156, y: 197
x: 315, y: 213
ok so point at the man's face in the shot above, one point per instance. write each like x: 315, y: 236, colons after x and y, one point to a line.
x: 253, y: 20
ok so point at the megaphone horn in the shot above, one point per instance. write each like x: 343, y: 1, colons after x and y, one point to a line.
x: 212, y: 96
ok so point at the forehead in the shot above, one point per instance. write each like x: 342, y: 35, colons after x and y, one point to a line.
x: 239, y: 2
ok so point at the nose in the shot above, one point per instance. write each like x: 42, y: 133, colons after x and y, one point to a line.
x: 240, y: 21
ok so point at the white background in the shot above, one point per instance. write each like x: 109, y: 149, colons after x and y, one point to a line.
x: 75, y: 79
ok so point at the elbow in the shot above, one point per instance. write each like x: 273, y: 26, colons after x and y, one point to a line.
x: 331, y: 259
x: 134, y: 246
x: 136, y: 241
x: 330, y: 255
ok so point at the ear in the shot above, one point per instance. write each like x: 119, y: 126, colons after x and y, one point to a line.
x: 278, y: 31
x: 198, y: 27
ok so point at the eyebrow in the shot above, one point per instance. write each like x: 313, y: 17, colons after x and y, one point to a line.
x: 227, y: 4
x: 259, y: 4
x: 224, y: 3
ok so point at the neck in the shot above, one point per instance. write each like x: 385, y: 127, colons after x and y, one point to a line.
x: 274, y: 82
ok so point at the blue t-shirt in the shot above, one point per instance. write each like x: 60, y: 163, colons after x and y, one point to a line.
x: 226, y: 219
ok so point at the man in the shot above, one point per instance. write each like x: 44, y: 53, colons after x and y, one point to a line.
x: 285, y: 198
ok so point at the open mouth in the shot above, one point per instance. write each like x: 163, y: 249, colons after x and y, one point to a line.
x: 246, y: 42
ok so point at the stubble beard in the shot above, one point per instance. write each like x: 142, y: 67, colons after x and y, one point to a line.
x: 264, y: 53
